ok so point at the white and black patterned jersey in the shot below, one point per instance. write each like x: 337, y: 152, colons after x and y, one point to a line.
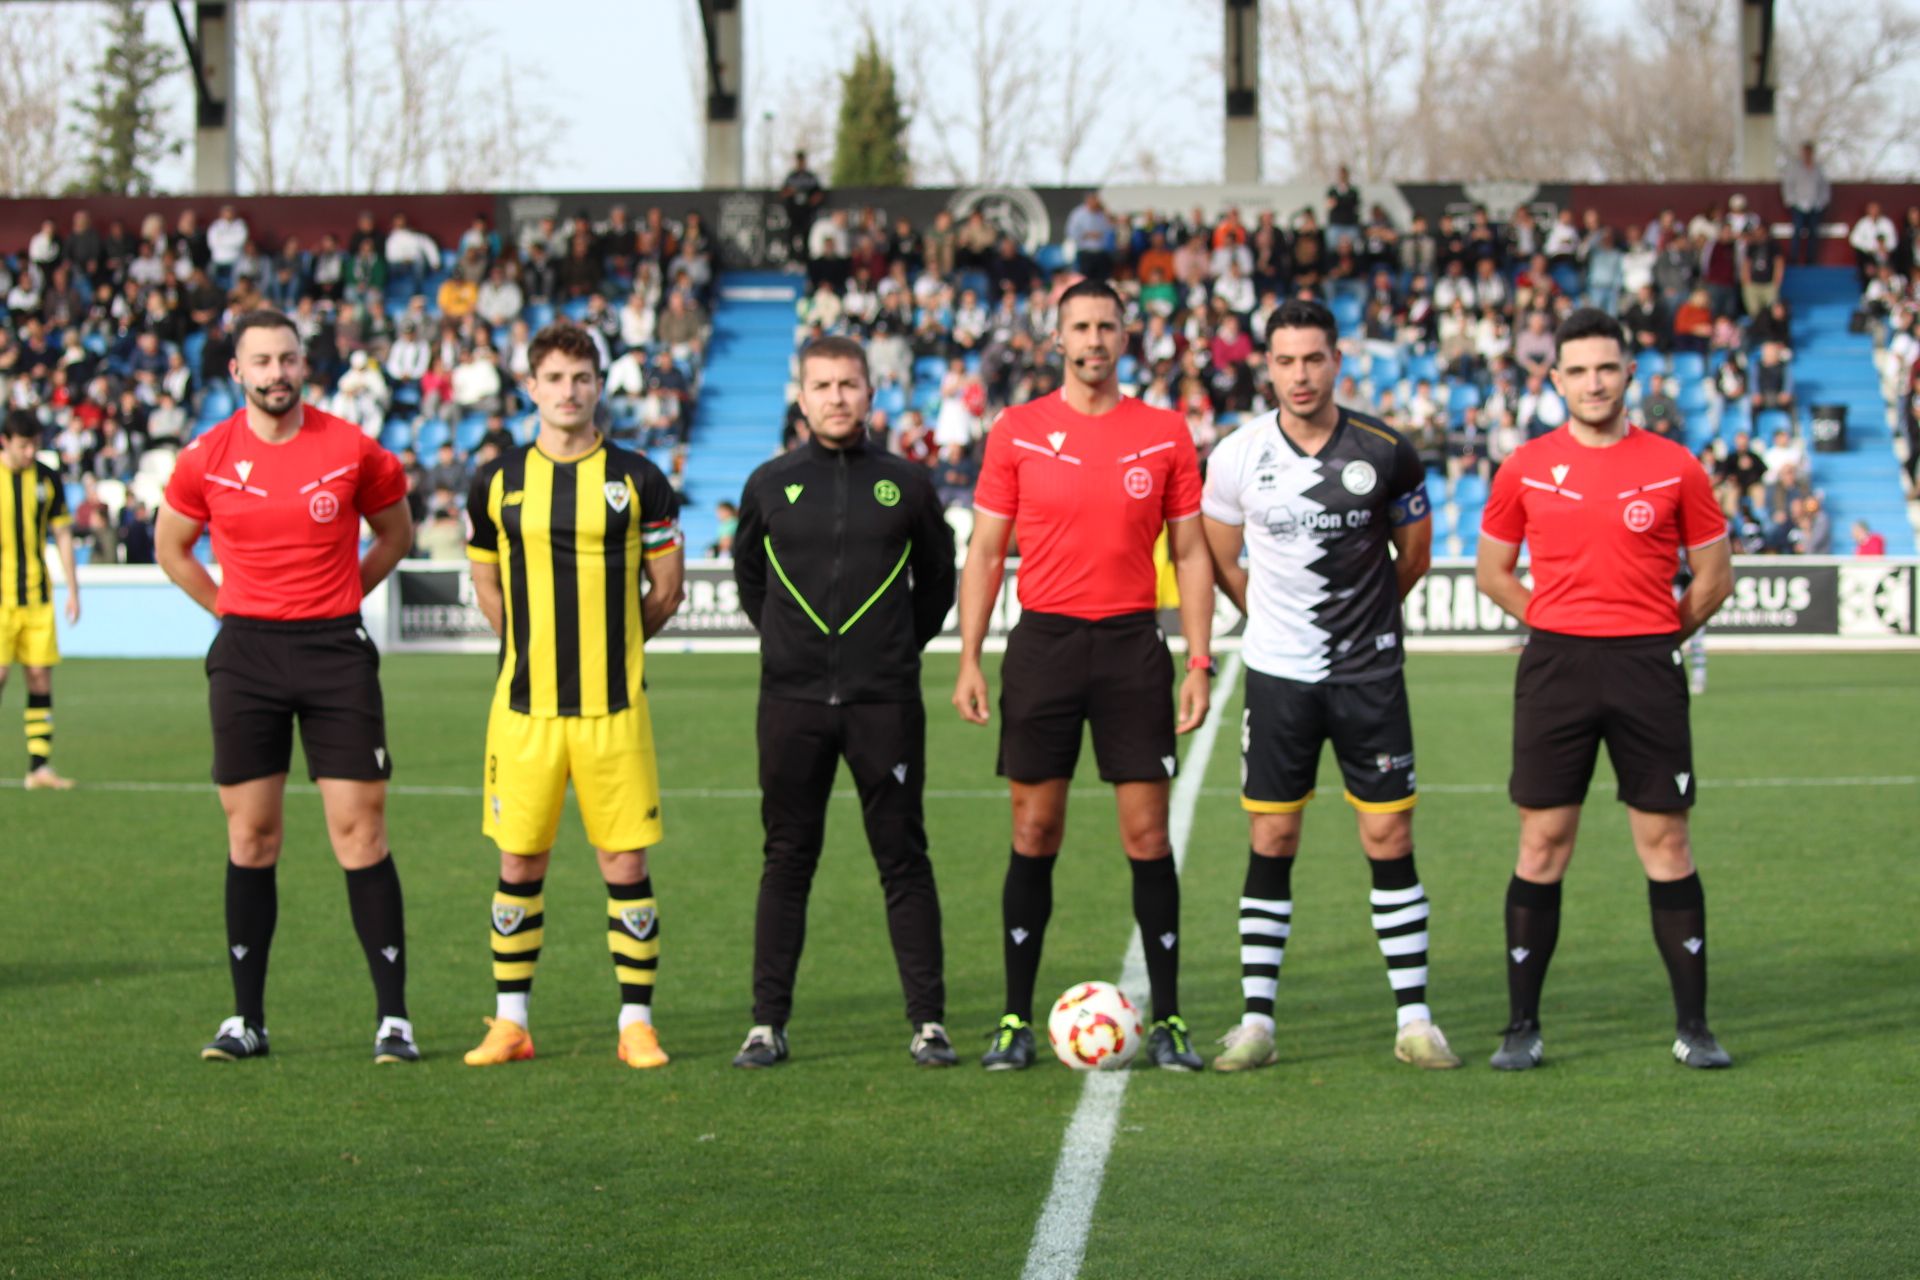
x: 1323, y: 603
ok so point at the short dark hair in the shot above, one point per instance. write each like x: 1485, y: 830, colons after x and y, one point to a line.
x: 565, y: 338
x: 1298, y: 313
x: 22, y: 423
x: 1090, y: 288
x: 1588, y: 322
x: 833, y: 347
x: 262, y: 318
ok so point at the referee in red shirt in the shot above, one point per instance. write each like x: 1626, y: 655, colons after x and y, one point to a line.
x: 1087, y: 479
x: 1604, y: 509
x: 283, y: 488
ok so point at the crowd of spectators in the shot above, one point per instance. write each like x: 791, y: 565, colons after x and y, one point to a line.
x: 116, y: 337
x: 1448, y: 326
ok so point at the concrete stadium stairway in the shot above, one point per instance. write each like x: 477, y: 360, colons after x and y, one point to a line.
x: 1833, y: 366
x: 743, y: 395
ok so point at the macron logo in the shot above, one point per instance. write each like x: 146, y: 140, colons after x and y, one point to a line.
x: 1168, y: 763
x: 1693, y: 945
x: 1519, y: 955
x: 1058, y: 439
x: 244, y: 470
x: 1681, y: 780
x: 1560, y: 473
x: 900, y: 773
x: 391, y: 953
x: 1167, y: 940
x: 1018, y: 935
x: 239, y: 952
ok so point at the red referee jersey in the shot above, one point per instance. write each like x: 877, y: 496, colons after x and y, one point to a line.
x: 1087, y: 496
x: 285, y: 518
x: 1604, y: 528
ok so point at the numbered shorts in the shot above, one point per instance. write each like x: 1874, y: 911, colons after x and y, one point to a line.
x: 610, y: 759
x: 1286, y: 723
x: 1571, y: 693
x: 27, y: 636
x: 1062, y: 673
x: 265, y: 676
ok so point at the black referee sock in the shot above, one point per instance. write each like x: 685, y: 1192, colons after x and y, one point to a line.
x: 1533, y: 928
x: 373, y: 894
x: 1679, y: 909
x: 1026, y: 904
x: 253, y: 908
x: 1156, y: 909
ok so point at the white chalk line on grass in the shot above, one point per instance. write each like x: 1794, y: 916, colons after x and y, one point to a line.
x: 1060, y: 1237
x: 983, y: 793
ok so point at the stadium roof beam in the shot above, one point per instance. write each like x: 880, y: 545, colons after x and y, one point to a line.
x: 1757, y: 141
x: 1243, y: 90
x: 726, y: 138
x: 210, y: 53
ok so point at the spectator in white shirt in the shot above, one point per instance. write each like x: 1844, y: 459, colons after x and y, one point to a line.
x: 636, y: 321
x: 1454, y: 287
x: 409, y: 357
x: 1873, y: 240
x: 477, y: 385
x: 411, y: 255
x: 226, y: 240
x: 500, y: 298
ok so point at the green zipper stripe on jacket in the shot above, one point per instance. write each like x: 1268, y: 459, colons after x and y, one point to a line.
x: 848, y: 624
x: 774, y: 560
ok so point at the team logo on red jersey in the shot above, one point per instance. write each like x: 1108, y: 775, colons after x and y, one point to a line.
x: 1139, y: 482
x: 323, y: 507
x: 1638, y: 515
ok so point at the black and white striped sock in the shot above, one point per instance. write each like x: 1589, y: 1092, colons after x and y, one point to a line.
x: 1266, y: 920
x: 1400, y: 913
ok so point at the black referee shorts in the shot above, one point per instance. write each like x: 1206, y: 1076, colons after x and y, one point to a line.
x: 264, y: 675
x: 1285, y: 723
x: 1571, y: 693
x: 1061, y: 673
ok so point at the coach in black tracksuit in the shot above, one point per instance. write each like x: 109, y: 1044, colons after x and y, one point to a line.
x: 846, y: 565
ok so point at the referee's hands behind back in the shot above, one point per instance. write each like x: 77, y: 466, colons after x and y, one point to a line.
x: 970, y: 696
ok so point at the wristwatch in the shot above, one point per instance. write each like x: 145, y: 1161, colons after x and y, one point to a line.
x: 1202, y: 662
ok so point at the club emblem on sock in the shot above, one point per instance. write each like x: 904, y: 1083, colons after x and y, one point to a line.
x: 639, y: 920
x: 1693, y: 945
x: 1519, y: 955
x: 507, y: 918
x: 1167, y: 940
x: 391, y: 953
x: 239, y: 951
x: 1018, y: 935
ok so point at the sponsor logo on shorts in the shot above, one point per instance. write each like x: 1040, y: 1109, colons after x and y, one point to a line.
x: 886, y: 493
x: 1138, y: 482
x: 1388, y: 763
x: 323, y: 507
x: 618, y: 495
x: 1638, y: 515
x: 639, y: 920
x: 507, y: 918
x: 1359, y: 477
x: 653, y: 813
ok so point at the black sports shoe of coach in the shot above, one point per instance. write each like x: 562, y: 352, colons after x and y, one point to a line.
x: 845, y: 564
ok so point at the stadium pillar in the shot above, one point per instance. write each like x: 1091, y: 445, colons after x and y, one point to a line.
x: 726, y: 139
x: 1242, y: 64
x: 210, y: 56
x: 1757, y: 140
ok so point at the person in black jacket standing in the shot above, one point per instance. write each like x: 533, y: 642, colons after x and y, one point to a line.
x: 846, y: 565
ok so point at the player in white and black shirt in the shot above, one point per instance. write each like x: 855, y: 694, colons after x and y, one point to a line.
x: 1331, y: 509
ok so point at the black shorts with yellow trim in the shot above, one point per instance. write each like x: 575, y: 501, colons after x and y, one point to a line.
x: 1286, y: 722
x: 609, y: 759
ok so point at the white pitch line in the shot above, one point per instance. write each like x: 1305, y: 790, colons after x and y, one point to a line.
x: 753, y: 793
x: 1060, y: 1237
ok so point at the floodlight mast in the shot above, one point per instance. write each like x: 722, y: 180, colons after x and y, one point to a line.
x: 721, y: 21
x: 209, y: 45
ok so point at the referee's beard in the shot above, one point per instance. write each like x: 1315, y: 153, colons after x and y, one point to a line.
x: 276, y: 398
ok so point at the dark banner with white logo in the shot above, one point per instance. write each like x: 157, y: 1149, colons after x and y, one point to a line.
x: 432, y: 607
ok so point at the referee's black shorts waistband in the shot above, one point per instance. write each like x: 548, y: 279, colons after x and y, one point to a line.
x: 290, y: 625
x: 1066, y: 623
x: 1564, y: 640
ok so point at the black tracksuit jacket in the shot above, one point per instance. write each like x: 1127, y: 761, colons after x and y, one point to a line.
x: 845, y: 564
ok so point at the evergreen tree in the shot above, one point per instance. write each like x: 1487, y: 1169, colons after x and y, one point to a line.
x: 870, y: 142
x: 123, y: 129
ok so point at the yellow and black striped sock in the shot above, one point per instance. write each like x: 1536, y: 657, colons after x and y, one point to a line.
x: 39, y: 725
x: 519, y: 925
x: 633, y: 936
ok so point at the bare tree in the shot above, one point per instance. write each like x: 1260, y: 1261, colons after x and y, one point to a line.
x: 35, y: 72
x: 1848, y: 85
x: 266, y: 76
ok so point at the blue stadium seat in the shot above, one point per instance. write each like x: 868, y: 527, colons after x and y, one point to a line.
x: 1423, y: 367
x: 1385, y: 372
x: 1128, y: 369
x: 929, y: 369
x: 396, y: 435
x: 466, y: 436
x: 432, y: 434
x: 1050, y: 258
x: 82, y: 551
x: 1651, y: 364
x: 977, y: 281
x: 1689, y: 366
x: 574, y: 308
x: 1470, y: 491
x: 538, y: 315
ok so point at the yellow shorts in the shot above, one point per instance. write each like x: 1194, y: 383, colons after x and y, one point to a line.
x: 610, y: 759
x: 27, y: 636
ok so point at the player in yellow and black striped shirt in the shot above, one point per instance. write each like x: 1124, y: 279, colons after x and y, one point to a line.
x: 33, y: 504
x: 576, y: 558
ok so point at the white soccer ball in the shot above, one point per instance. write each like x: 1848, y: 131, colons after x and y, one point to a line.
x: 1094, y: 1027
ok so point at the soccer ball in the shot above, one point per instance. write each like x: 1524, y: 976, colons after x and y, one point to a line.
x: 1094, y: 1027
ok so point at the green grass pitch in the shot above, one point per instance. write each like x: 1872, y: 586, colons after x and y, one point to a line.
x: 125, y: 1155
